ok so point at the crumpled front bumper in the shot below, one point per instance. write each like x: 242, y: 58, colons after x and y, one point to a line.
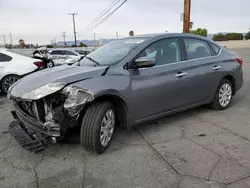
x: 29, y: 132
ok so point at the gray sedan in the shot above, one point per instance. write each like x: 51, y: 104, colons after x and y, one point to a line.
x: 126, y: 82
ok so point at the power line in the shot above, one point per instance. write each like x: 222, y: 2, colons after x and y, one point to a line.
x: 106, y: 17
x: 73, y: 15
x: 102, y: 14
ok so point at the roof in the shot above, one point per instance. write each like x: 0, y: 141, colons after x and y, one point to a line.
x: 152, y: 35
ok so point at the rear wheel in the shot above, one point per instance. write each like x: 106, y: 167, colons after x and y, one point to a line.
x: 7, y: 81
x: 98, y: 126
x: 223, y: 96
x: 50, y: 64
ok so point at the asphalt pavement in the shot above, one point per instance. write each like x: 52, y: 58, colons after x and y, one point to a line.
x: 199, y: 148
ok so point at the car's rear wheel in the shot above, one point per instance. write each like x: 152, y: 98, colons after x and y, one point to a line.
x: 7, y: 81
x: 50, y: 64
x: 223, y: 96
x: 98, y: 126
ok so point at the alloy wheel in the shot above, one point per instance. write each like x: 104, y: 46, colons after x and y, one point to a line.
x: 225, y: 94
x: 107, y: 127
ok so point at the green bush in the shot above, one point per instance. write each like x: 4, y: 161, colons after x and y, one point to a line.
x: 202, y: 32
x: 228, y: 36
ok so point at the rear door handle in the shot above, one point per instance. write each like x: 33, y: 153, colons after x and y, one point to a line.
x: 180, y: 74
x: 216, y: 67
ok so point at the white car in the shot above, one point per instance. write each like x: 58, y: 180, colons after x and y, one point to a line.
x: 64, y: 56
x: 14, y: 66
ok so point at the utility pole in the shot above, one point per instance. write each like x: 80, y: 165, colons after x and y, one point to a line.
x: 116, y: 34
x: 186, y: 21
x: 4, y: 40
x: 94, y: 40
x: 73, y: 15
x: 64, y: 34
x: 11, y: 40
x: 55, y: 41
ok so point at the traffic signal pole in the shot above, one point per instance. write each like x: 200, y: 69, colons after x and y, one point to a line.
x: 186, y: 20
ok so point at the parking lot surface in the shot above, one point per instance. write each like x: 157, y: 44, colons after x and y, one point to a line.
x: 199, y: 148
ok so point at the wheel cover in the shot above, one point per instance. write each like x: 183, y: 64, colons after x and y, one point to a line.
x: 107, y: 127
x: 225, y: 94
x: 8, y: 82
x: 50, y: 64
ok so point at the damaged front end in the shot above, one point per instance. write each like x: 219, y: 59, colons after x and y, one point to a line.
x: 46, y: 114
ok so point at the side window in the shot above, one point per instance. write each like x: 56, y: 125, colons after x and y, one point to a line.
x: 5, y: 58
x: 215, y: 48
x: 163, y: 51
x: 196, y: 48
x: 66, y: 52
x: 56, y: 52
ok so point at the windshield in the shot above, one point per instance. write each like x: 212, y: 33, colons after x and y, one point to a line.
x: 113, y: 52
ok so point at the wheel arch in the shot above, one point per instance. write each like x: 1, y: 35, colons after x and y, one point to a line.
x: 119, y: 105
x: 232, y: 80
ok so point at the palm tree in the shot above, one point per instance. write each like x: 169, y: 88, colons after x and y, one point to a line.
x: 21, y: 43
x: 131, y: 33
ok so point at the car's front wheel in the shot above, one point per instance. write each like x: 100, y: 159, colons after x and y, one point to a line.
x: 97, y: 127
x: 223, y: 96
x: 7, y: 81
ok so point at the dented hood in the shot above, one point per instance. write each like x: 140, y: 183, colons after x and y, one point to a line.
x: 62, y: 74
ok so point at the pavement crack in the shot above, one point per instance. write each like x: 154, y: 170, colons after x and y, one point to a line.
x: 35, y: 170
x: 215, y: 165
x: 5, y: 145
x: 156, y: 151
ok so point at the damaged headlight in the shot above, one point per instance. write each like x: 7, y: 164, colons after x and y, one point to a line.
x: 43, y: 91
x: 76, y: 96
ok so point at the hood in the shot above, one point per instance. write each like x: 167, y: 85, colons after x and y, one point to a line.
x: 61, y: 74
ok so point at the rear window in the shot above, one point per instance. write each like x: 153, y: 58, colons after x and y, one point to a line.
x: 4, y: 58
x: 215, y: 48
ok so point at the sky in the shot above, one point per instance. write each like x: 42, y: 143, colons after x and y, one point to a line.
x: 40, y: 21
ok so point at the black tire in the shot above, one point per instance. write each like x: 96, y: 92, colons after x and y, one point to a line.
x: 4, y: 81
x: 91, y: 127
x: 51, y: 64
x: 216, y: 105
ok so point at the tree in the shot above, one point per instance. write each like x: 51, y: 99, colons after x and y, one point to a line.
x: 131, y: 33
x: 219, y: 37
x: 202, y: 32
x: 247, y: 36
x: 21, y: 43
x: 82, y: 44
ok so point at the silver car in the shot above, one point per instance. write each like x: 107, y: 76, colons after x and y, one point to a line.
x: 124, y: 83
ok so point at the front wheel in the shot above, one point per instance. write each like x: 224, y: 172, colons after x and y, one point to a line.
x: 98, y: 126
x: 7, y: 81
x: 223, y: 96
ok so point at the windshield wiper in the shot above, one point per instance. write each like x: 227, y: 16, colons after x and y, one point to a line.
x: 92, y: 60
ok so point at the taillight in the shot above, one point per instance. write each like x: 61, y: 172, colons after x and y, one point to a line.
x: 240, y: 60
x: 39, y: 64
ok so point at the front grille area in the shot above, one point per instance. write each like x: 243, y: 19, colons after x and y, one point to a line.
x: 34, y: 109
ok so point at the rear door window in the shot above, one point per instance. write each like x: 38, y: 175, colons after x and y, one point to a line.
x: 67, y: 52
x: 5, y: 58
x: 196, y: 48
x: 215, y: 48
x: 56, y: 52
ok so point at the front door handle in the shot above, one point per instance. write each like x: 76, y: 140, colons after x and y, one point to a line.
x: 216, y: 67
x: 180, y: 74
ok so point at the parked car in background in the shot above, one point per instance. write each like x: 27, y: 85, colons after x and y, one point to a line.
x: 14, y: 66
x: 43, y: 54
x: 123, y: 83
x: 83, y: 52
x: 64, y: 56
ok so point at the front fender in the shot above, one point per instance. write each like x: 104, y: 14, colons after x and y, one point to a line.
x: 117, y: 85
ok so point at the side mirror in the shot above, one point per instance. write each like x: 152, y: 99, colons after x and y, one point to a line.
x: 144, y: 62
